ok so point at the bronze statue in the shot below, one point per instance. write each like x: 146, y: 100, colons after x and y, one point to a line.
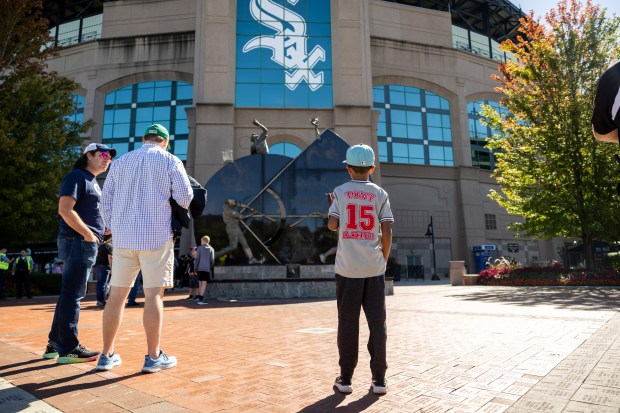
x: 259, y: 143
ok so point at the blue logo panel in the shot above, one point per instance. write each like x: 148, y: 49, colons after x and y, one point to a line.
x: 284, y: 54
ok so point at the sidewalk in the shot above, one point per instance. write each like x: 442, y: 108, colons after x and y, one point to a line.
x: 456, y: 349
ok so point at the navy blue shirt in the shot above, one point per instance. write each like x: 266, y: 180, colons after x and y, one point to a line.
x: 83, y: 187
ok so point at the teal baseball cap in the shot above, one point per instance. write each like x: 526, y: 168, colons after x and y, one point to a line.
x: 157, y: 129
x: 360, y: 155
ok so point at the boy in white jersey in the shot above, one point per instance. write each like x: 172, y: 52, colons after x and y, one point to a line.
x: 360, y: 211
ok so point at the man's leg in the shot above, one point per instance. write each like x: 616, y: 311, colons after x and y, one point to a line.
x: 18, y: 283
x: 112, y: 316
x: 153, y: 318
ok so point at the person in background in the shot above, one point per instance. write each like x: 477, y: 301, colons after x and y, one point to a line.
x: 5, y: 263
x: 203, y: 266
x: 23, y: 267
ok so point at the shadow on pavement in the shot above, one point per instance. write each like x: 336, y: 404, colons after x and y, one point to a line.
x: 330, y: 404
x: 581, y: 298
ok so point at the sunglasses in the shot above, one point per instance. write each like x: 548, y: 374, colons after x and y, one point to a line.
x: 106, y: 155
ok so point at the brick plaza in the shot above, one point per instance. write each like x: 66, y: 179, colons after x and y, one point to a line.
x: 450, y: 349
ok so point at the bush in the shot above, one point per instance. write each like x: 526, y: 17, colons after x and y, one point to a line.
x: 554, y: 275
x: 41, y: 284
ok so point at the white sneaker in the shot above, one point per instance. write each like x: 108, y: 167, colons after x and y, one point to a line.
x: 201, y: 302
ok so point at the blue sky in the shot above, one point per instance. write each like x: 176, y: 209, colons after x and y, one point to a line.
x: 541, y: 7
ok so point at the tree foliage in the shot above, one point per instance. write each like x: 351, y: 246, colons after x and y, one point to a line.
x: 37, y: 139
x: 552, y: 171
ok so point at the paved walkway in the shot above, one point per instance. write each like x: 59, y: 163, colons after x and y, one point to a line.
x: 456, y: 349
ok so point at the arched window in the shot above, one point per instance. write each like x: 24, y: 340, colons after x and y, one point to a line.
x: 78, y: 110
x: 131, y: 109
x: 414, y: 126
x: 285, y: 148
x: 481, y: 157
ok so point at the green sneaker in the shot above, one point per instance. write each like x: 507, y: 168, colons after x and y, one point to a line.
x: 50, y: 352
x: 79, y: 355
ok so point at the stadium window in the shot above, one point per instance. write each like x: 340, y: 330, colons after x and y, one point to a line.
x: 285, y: 148
x: 131, y: 109
x: 479, y: 134
x: 414, y: 126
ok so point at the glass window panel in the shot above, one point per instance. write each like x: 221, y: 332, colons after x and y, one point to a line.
x: 121, y: 148
x: 398, y: 116
x: 322, y: 98
x: 435, y: 152
x: 416, y: 151
x: 400, y: 150
x: 145, y: 94
x: 435, y: 134
x: 381, y: 114
x: 247, y: 95
x: 144, y: 114
x: 298, y: 98
x: 432, y: 101
x: 181, y: 113
x: 122, y: 115
x: 161, y: 114
x: 181, y: 127
x: 146, y: 85
x: 378, y: 94
x: 412, y: 99
x: 383, y: 151
x: 381, y: 131
x: 271, y: 95
x: 433, y: 119
x: 110, y: 98
x: 447, y: 134
x: 414, y: 118
x: 415, y: 132
x: 108, y: 117
x: 163, y: 93
x: 184, y: 91
x: 107, y: 131
x: 397, y: 88
x: 180, y: 148
x: 445, y: 121
x: 397, y: 98
x: 123, y: 96
x: 121, y: 130
x: 399, y: 131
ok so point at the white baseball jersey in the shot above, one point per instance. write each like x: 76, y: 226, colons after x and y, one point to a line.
x: 360, y: 207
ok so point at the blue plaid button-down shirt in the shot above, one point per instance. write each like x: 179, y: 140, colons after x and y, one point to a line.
x: 135, y: 200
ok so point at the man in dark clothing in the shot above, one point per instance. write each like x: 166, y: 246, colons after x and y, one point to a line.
x: 23, y: 267
x: 81, y: 231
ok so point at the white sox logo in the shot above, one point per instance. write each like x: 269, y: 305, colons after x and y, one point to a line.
x: 290, y: 54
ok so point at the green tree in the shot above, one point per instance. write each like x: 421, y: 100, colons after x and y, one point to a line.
x: 552, y: 172
x: 37, y: 139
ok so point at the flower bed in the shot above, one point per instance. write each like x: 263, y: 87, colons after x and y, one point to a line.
x: 548, y: 276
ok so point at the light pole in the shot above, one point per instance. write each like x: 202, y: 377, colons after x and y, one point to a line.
x: 431, y: 233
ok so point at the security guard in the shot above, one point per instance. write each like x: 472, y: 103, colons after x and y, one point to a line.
x: 23, y: 267
x: 5, y: 262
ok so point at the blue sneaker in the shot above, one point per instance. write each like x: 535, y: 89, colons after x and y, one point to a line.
x: 108, y: 362
x: 160, y: 363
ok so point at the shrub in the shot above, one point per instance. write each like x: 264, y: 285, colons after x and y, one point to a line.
x: 41, y: 284
x: 554, y: 275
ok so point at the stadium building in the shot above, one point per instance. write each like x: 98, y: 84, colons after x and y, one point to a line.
x: 406, y: 77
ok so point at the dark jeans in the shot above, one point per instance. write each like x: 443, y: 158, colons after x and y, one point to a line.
x: 79, y: 258
x: 101, y: 272
x: 134, y: 290
x: 22, y: 282
x: 352, y: 294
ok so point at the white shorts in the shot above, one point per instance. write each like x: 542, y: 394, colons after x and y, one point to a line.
x: 156, y: 265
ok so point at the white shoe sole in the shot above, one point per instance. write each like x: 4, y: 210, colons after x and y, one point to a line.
x: 343, y: 388
x: 379, y: 389
x: 157, y: 368
x: 107, y: 367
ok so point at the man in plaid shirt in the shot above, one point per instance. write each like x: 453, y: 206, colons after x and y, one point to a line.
x: 135, y: 205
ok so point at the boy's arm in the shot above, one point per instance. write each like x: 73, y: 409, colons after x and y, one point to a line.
x: 333, y: 223
x: 386, y: 238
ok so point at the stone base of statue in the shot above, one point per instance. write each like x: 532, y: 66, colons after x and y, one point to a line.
x: 276, y: 281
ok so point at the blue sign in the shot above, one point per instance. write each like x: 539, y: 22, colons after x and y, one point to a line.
x: 284, y: 54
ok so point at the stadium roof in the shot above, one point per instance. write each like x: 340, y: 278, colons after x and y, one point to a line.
x: 498, y: 19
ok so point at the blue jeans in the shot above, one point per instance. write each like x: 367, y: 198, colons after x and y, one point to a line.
x: 102, y: 272
x: 78, y: 257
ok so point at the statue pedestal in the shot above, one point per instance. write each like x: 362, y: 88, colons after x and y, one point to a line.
x: 276, y: 281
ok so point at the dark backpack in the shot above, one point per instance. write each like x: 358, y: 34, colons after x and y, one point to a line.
x: 181, y: 217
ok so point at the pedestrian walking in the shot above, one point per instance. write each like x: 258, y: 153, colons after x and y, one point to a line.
x: 203, y: 265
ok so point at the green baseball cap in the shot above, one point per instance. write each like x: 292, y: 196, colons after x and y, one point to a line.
x: 157, y: 129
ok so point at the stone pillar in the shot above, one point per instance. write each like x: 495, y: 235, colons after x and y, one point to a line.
x: 457, y: 271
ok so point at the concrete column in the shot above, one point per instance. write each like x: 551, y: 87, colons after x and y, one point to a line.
x: 457, y: 271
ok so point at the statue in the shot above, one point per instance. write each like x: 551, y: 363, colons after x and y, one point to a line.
x: 259, y: 143
x: 232, y: 218
x: 315, y: 122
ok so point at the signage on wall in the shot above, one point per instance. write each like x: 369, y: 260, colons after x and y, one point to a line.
x: 284, y: 53
x: 513, y: 247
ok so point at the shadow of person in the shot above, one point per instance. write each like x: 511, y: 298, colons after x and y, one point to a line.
x: 331, y: 404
